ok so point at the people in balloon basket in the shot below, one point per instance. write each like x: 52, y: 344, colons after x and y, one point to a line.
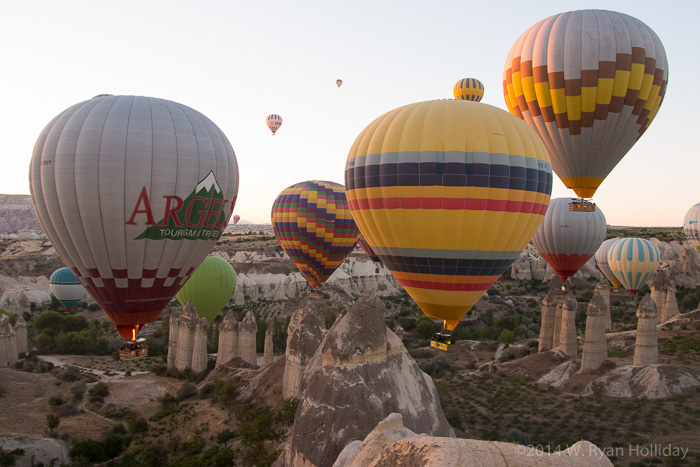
x: 132, y: 346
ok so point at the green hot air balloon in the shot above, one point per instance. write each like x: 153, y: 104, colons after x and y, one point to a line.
x: 209, y: 288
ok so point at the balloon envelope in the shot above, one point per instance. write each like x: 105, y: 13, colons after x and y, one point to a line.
x: 236, y: 218
x: 589, y: 82
x: 313, y: 224
x: 274, y: 122
x: 567, y: 238
x: 601, y: 258
x: 691, y: 226
x: 634, y: 261
x: 339, y: 82
x: 469, y: 89
x: 133, y: 193
x: 66, y: 287
x: 448, y: 193
x: 368, y: 250
x: 210, y: 287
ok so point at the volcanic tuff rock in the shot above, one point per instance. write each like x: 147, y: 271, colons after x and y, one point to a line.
x: 390, y: 443
x: 17, y: 218
x: 304, y: 335
x: 37, y: 451
x: 595, y: 347
x: 650, y: 381
x: 360, y: 375
x: 646, y: 349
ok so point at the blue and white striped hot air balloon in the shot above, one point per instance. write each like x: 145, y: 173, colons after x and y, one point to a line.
x: 633, y: 261
x: 66, y: 287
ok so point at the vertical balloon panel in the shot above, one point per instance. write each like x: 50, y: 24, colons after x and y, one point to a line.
x: 633, y: 261
x: 133, y: 192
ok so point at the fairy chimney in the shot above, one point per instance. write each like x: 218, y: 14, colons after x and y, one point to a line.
x: 199, y: 347
x: 671, y: 307
x: 595, y: 345
x: 568, y: 344
x: 646, y: 349
x: 185, y: 338
x: 659, y: 290
x: 21, y: 330
x: 247, y: 332
x: 603, y: 288
x: 173, y: 334
x: 269, y: 353
x: 556, y: 339
x: 228, y: 340
x: 549, y: 313
x: 304, y: 335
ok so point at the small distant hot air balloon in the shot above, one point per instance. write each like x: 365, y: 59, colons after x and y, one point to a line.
x: 66, y: 288
x: 339, y: 82
x: 448, y: 193
x: 589, y: 83
x: 568, y: 238
x: 236, y: 218
x: 313, y: 224
x: 133, y: 192
x: 469, y: 89
x: 274, y: 122
x: 210, y: 287
x: 601, y: 259
x: 634, y: 261
x: 691, y: 226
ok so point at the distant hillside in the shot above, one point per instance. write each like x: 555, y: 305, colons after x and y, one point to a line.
x: 17, y: 218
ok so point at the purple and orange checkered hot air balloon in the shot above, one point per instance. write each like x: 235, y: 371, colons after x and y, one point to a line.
x: 314, y: 226
x: 589, y: 83
x: 448, y: 193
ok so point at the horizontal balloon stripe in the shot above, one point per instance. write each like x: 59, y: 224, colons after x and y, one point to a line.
x: 428, y: 277
x: 449, y: 204
x: 388, y: 158
x: 449, y: 192
x: 465, y: 255
x: 448, y: 267
x: 447, y: 286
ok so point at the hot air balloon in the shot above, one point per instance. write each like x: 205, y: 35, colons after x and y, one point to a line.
x: 133, y: 193
x: 66, y: 287
x: 590, y: 83
x: 313, y: 224
x: 448, y: 193
x: 210, y: 287
x: 691, y: 227
x: 601, y: 258
x: 469, y: 89
x: 568, y: 238
x: 339, y: 82
x: 274, y: 122
x: 236, y: 218
x: 634, y: 261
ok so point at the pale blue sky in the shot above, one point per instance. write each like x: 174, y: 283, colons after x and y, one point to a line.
x: 238, y: 61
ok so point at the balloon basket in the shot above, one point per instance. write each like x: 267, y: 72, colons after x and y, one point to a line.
x: 315, y: 295
x: 441, y: 341
x: 581, y: 205
x: 132, y: 350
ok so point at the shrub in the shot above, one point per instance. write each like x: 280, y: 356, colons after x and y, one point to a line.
x: 288, y: 411
x: 98, y: 392
x: 425, y: 329
x: 52, y: 421
x: 328, y: 318
x: 71, y: 373
x: 507, y: 336
x: 438, y: 367
x: 56, y: 400
x: 513, y: 435
x: 137, y: 426
x: 186, y: 391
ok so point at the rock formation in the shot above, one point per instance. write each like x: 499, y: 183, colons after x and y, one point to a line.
x: 399, y: 331
x: 185, y: 337
x: 268, y: 350
x: 670, y: 309
x: 173, y: 335
x: 199, y: 346
x: 228, y: 340
x: 646, y: 349
x: 556, y: 339
x: 36, y: 451
x: 390, y: 443
x: 360, y: 374
x: 8, y: 343
x: 595, y: 346
x: 568, y: 344
x: 603, y: 288
x: 549, y: 312
x: 650, y: 381
x: 247, y: 332
x: 21, y: 330
x: 304, y: 335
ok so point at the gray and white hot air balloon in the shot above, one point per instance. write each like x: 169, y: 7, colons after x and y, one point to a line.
x: 133, y: 192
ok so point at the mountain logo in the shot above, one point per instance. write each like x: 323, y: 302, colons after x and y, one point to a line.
x: 201, y: 216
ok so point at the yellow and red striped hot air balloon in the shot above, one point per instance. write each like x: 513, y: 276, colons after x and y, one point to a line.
x: 314, y: 226
x: 589, y: 82
x: 448, y: 193
x: 469, y: 89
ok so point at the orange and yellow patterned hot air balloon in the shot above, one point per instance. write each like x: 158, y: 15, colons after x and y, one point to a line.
x: 313, y: 224
x: 590, y: 83
x: 448, y: 193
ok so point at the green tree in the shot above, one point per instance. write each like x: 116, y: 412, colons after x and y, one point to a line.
x: 44, y: 343
x: 49, y: 321
x: 328, y: 318
x: 507, y: 336
x: 74, y: 323
x: 52, y: 421
x: 425, y: 329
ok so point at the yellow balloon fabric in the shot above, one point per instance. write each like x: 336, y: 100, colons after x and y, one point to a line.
x: 448, y: 193
x: 590, y: 83
x: 633, y: 261
x: 469, y: 89
x: 209, y: 288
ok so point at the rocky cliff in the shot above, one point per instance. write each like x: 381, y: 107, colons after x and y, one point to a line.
x: 17, y: 218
